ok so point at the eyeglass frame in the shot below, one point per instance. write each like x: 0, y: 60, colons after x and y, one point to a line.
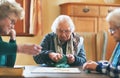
x: 64, y: 31
x: 112, y: 31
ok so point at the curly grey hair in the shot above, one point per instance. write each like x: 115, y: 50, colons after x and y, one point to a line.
x: 11, y: 7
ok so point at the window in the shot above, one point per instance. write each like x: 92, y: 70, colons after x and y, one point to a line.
x: 22, y: 26
x: 31, y: 24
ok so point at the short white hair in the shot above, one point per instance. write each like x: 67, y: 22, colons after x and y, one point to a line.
x: 60, y: 19
x: 114, y: 16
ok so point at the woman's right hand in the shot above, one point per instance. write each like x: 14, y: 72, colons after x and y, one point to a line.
x: 31, y: 49
x: 90, y: 65
x: 55, y: 56
x: 12, y: 34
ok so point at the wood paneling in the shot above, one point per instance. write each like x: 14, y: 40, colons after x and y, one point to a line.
x: 90, y: 18
x: 82, y: 26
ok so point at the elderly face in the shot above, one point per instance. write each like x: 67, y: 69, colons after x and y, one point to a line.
x: 115, y: 31
x: 63, y: 31
x: 7, y: 24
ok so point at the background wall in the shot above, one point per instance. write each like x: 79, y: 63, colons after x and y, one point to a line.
x: 50, y: 10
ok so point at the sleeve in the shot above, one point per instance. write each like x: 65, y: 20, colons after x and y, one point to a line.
x: 8, y: 48
x: 80, y: 57
x: 106, y: 68
x: 43, y: 57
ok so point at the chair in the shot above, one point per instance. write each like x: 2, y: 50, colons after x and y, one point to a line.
x: 101, y: 45
x: 95, y: 45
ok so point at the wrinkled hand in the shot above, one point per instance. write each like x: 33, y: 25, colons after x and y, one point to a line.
x: 70, y: 58
x: 90, y: 65
x: 55, y: 56
x: 31, y: 49
x: 12, y: 34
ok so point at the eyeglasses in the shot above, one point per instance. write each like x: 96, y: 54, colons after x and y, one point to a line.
x: 12, y: 21
x: 112, y: 31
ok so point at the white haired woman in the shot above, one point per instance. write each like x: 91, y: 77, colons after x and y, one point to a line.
x: 111, y: 68
x: 62, y: 42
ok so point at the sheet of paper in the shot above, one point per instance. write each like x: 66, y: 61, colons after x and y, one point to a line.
x: 55, y: 70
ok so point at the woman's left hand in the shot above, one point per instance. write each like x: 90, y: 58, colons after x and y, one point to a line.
x: 70, y: 58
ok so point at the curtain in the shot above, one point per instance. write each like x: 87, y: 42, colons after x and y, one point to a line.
x: 35, y: 17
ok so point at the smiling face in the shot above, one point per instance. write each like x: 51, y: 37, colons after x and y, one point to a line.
x: 7, y: 24
x: 63, y: 31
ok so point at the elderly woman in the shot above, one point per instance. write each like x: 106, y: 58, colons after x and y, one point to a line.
x: 9, y: 13
x: 111, y: 68
x: 62, y: 42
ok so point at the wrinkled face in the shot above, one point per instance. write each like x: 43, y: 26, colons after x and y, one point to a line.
x: 63, y: 31
x: 7, y: 24
x: 115, y: 31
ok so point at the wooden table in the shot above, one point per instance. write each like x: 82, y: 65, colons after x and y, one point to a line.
x: 27, y: 73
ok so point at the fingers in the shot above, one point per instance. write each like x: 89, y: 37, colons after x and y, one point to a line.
x: 55, y: 59
x: 12, y: 34
x: 29, y: 49
x: 59, y: 56
x: 70, y: 58
x: 37, y: 48
x: 90, y: 65
x: 55, y: 56
x: 85, y: 66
